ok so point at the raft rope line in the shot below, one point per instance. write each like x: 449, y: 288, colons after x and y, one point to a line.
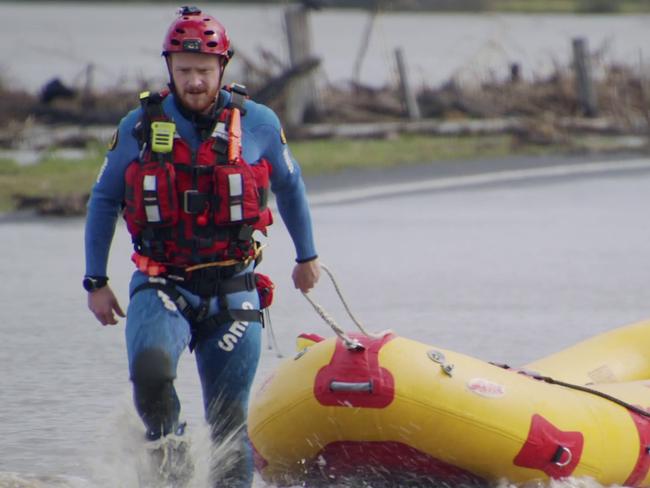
x: 618, y: 401
x: 585, y: 389
x: 349, y: 342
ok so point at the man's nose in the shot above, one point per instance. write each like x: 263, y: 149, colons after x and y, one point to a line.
x: 195, y: 80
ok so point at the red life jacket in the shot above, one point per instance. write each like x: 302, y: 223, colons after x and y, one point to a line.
x: 184, y: 208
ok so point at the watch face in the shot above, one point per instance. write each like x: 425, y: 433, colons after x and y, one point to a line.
x: 92, y: 284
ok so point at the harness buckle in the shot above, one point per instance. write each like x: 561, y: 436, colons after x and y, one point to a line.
x: 239, y: 88
x: 202, y: 311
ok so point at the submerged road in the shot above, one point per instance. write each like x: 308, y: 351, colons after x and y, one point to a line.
x: 506, y: 261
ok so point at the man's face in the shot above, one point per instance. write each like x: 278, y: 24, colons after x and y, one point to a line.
x: 197, y: 78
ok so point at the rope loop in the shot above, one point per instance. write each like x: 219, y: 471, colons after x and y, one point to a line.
x: 350, y: 343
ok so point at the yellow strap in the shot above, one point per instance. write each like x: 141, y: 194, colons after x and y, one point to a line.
x: 229, y: 262
x: 219, y: 264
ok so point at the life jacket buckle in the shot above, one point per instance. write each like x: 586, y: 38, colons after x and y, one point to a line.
x: 238, y: 88
x: 193, y: 201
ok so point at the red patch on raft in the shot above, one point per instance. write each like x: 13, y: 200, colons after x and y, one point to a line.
x: 549, y: 449
x: 349, y: 369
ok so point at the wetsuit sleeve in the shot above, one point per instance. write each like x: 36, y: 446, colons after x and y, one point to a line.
x: 288, y: 186
x: 107, y: 196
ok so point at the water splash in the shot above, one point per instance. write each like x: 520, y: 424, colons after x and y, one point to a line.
x: 123, y: 458
x: 118, y: 459
x: 17, y: 480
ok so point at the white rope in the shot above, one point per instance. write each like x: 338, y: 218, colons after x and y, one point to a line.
x: 273, y: 342
x: 348, y: 341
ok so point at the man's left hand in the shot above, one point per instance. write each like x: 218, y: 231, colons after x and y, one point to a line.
x: 306, y: 275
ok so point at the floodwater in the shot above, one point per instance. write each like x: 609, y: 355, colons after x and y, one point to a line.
x: 506, y: 271
x: 51, y: 39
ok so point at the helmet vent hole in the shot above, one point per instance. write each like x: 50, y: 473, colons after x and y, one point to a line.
x: 206, y: 20
x: 175, y: 42
x: 180, y: 31
x: 209, y: 33
x: 212, y: 44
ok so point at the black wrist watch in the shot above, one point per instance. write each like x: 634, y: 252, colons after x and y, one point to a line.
x: 92, y: 283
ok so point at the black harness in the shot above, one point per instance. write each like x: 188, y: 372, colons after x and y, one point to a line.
x: 202, y: 325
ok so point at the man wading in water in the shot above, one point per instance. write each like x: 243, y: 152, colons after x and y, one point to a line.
x: 192, y: 169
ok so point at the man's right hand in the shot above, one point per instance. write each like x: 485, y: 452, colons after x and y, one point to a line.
x: 103, y: 304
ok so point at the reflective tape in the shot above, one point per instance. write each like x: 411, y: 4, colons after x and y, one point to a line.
x: 220, y: 131
x: 235, y: 185
x: 149, y: 183
x: 153, y: 213
x: 236, y: 212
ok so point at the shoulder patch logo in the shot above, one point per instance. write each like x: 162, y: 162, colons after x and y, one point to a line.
x: 113, y: 142
x: 283, y: 138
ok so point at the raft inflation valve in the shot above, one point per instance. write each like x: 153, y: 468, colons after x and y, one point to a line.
x: 438, y: 357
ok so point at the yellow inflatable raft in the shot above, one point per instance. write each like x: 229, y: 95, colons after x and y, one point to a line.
x: 399, y: 406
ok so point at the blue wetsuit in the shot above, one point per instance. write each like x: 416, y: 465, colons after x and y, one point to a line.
x: 156, y: 333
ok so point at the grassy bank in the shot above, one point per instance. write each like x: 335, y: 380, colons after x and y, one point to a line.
x: 54, y: 177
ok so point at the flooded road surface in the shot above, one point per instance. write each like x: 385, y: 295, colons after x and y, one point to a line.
x: 506, y: 269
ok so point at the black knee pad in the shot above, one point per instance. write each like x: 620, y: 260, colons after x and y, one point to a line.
x: 152, y: 367
x: 153, y: 392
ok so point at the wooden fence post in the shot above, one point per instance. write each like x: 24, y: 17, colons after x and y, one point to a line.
x: 405, y: 87
x: 584, y: 82
x: 302, y: 94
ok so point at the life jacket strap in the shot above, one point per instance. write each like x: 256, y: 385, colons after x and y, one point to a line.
x: 152, y: 111
x: 238, y: 94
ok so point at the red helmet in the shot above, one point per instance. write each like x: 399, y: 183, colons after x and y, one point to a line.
x: 196, y: 32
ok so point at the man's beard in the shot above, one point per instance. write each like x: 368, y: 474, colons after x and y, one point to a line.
x: 198, y: 101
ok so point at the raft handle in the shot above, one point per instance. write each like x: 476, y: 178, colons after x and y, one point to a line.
x: 557, y: 457
x: 351, y: 386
